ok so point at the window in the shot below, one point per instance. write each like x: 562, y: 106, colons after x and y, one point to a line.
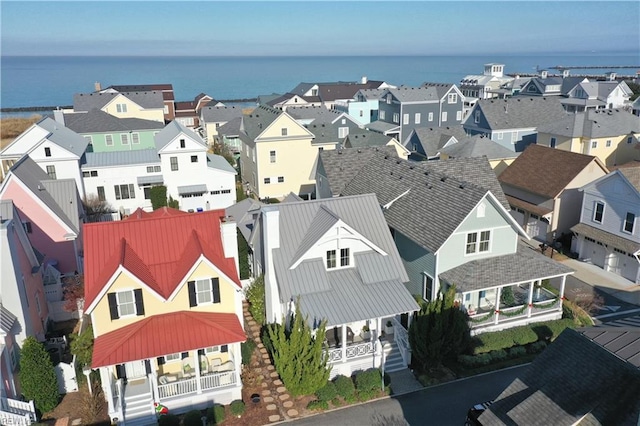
x: 476, y: 118
x: 228, y: 191
x: 272, y: 156
x: 473, y: 245
x: 92, y: 173
x: 485, y: 236
x: 343, y: 132
x: 203, y: 291
x: 417, y: 117
x: 552, y: 142
x: 382, y: 115
x: 194, y: 158
x: 172, y: 357
x: 152, y: 169
x: 608, y: 143
x: 101, y: 196
x: 427, y: 287
x: 459, y: 115
x: 126, y: 303
x: 51, y: 171
x: 331, y: 259
x: 166, y: 109
x: 598, y: 212
x: 396, y: 117
x: 444, y: 116
x: 89, y: 140
x: 629, y: 139
x: 389, y: 98
x: 344, y: 121
x: 108, y: 140
x: 267, y: 181
x: 344, y: 257
x: 320, y: 148
x: 135, y: 138
x: 499, y: 135
x: 183, y: 143
x: 405, y: 119
x: 280, y: 179
x: 124, y: 192
x: 212, y: 350
x: 47, y: 152
x: 147, y: 192
x: 124, y: 139
x: 472, y: 239
x: 27, y: 227
x: 452, y: 98
x: 174, y: 163
x: 594, y: 144
x: 628, y: 222
x: 430, y: 116
x: 121, y: 107
x: 361, y: 113
x: 283, y: 131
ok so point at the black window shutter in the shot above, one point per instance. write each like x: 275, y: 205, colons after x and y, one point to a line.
x: 120, y: 371
x: 200, y: 352
x: 139, y: 301
x: 184, y: 355
x: 192, y: 293
x: 160, y: 360
x: 224, y: 348
x: 113, y: 306
x: 215, y: 289
x: 147, y: 366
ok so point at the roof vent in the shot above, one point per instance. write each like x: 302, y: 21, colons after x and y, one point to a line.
x: 386, y: 157
x: 391, y: 173
x: 443, y: 179
x: 411, y: 167
x: 426, y: 173
x: 462, y: 185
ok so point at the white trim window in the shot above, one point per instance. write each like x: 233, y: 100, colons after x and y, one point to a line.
x: 552, y: 142
x: 343, y: 132
x: 121, y: 107
x: 174, y: 163
x: 212, y: 350
x: 499, y: 135
x: 124, y: 191
x: 396, y: 117
x: 382, y: 115
x: 476, y: 117
x: 203, y: 291
x: 427, y: 287
x: 284, y: 131
x: 108, y: 140
x: 629, y: 222
x: 405, y: 119
x: 173, y: 357
x: 452, y: 98
x: 598, y: 212
x: 458, y: 115
x: 478, y: 242
x: 417, y: 117
x: 344, y: 257
x: 272, y: 156
x: 51, y: 171
x: 124, y: 139
x: 444, y: 116
x: 331, y: 259
x: 126, y: 303
x: 135, y: 138
x: 430, y: 116
x: 594, y: 144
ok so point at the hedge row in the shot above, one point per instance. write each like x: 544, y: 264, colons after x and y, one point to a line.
x: 472, y: 361
x: 519, y: 336
x: 364, y: 386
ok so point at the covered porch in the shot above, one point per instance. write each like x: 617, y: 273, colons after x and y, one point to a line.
x: 507, y: 291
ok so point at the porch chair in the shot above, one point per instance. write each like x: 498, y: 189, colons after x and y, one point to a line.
x: 187, y: 367
x: 215, y: 365
x: 204, y: 364
x: 490, y: 303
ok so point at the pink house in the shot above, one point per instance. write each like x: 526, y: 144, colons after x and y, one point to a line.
x: 23, y: 309
x: 51, y: 212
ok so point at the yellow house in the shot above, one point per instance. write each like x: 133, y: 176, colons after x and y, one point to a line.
x: 147, y: 105
x: 610, y: 135
x: 478, y: 146
x: 165, y: 302
x: 278, y: 153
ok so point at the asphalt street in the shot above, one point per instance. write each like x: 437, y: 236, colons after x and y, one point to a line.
x: 442, y: 405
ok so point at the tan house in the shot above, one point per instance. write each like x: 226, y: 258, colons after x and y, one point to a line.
x: 611, y: 135
x: 165, y: 302
x: 147, y: 105
x: 543, y: 186
x: 278, y: 153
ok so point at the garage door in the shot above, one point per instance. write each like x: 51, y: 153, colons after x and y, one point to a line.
x: 594, y: 251
x: 537, y: 227
x: 629, y: 267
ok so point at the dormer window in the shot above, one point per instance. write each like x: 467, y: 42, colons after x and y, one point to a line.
x: 182, y: 143
x: 47, y: 152
x: 344, y: 257
x: 204, y: 291
x: 331, y: 259
x: 125, y: 303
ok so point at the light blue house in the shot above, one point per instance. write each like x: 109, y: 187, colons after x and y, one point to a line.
x: 363, y: 107
x: 608, y: 234
x: 451, y: 232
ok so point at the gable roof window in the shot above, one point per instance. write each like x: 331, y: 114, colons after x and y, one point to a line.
x: 284, y: 131
x: 331, y: 259
x: 629, y: 221
x: 47, y: 152
x: 598, y: 212
x: 344, y: 257
x: 204, y: 291
x: 125, y: 303
x: 121, y: 107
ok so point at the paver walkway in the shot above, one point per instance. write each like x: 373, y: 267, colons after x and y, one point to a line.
x: 278, y: 403
x: 403, y: 381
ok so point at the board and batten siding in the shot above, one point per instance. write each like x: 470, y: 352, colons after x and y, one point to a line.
x: 504, y: 238
x: 99, y: 143
x: 417, y: 261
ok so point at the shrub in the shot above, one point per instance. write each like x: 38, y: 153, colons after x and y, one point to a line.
x: 192, y: 418
x: 255, y: 297
x: 246, y: 348
x: 487, y: 342
x: 158, y: 195
x: 344, y: 386
x: 243, y: 256
x: 517, y: 351
x: 549, y: 330
x: 336, y: 402
x: 264, y: 336
x: 327, y: 392
x: 169, y: 420
x: 536, y: 347
x: 366, y: 395
x: 318, y: 405
x: 237, y: 407
x: 368, y: 380
x: 82, y: 346
x: 499, y: 355
x: 37, y: 375
x: 215, y: 414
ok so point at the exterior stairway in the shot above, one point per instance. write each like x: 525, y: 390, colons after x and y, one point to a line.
x: 138, y: 406
x: 392, y: 358
x: 14, y: 412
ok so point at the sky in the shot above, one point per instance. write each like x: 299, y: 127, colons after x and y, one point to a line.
x: 316, y: 28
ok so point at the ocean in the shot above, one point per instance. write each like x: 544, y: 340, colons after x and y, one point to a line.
x: 28, y: 81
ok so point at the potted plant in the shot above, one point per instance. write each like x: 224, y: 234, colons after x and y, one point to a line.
x: 388, y: 328
x: 366, y: 333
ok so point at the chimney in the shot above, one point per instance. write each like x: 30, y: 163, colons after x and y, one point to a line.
x: 565, y: 73
x: 544, y: 74
x: 97, y: 86
x: 229, y: 239
x: 364, y: 79
x: 611, y: 76
x: 271, y: 233
x: 58, y: 115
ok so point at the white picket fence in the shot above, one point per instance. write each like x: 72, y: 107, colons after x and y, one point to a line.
x: 14, y: 412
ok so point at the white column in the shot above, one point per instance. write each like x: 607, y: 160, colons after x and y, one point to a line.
x: 530, y: 299
x: 153, y: 362
x: 562, y: 284
x: 198, y: 384
x: 237, y: 362
x: 106, y: 378
x: 343, y: 342
x: 497, y: 305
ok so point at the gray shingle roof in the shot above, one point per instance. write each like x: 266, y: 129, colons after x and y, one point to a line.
x: 256, y: 122
x: 523, y: 265
x: 341, y: 165
x: 313, y: 112
x: 519, y: 112
x: 430, y: 140
x: 415, y: 94
x: 89, y: 101
x: 218, y: 162
x: 242, y: 212
x: 37, y: 181
x: 372, y: 288
x: 607, y: 238
x: 63, y: 137
x: 594, y: 124
x: 478, y: 146
x: 574, y: 381
x: 96, y: 121
x: 381, y: 126
x: 231, y: 128
x: 291, y: 198
x: 172, y: 130
x: 441, y: 88
x: 213, y: 114
x: 633, y: 175
x: 365, y: 138
x: 432, y: 209
x: 120, y: 158
x: 323, y: 132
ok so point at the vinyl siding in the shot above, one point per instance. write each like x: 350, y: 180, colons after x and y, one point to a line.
x: 416, y: 260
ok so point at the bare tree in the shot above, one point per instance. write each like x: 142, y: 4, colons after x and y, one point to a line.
x: 94, y: 208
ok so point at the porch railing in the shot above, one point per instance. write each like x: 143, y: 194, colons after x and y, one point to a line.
x: 401, y: 338
x: 352, y: 351
x: 180, y: 387
x: 13, y: 411
x: 217, y: 380
x: 187, y: 386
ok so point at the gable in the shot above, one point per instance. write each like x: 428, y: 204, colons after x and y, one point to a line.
x: 25, y: 142
x: 613, y: 186
x: 111, y: 106
x: 39, y: 152
x: 284, y: 121
x: 175, y: 146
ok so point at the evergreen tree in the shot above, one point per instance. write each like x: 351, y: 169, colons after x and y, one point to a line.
x: 298, y: 356
x: 438, y: 331
x: 37, y: 375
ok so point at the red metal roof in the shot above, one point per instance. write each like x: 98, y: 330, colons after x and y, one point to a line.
x: 139, y: 213
x: 157, y: 336
x: 157, y: 250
